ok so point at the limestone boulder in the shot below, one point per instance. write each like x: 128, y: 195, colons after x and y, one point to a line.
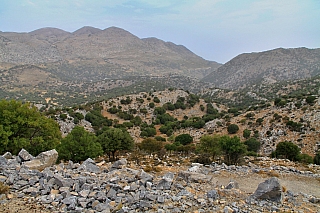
x: 43, y: 160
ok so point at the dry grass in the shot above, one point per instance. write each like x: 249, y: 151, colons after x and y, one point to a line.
x: 4, y: 189
x: 270, y: 173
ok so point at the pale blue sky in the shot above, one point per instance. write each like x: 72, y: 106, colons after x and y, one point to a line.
x: 216, y: 30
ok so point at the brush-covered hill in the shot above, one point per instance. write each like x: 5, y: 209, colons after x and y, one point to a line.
x: 267, y: 67
x: 169, y: 113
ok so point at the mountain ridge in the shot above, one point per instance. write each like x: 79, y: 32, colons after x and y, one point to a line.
x: 267, y: 67
x: 112, y: 51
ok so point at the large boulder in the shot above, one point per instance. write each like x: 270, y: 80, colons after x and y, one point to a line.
x: 269, y: 190
x: 43, y: 160
x: 194, y: 177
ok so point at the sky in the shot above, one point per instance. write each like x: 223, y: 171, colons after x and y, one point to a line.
x: 216, y: 30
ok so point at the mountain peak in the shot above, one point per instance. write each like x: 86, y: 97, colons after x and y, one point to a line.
x: 49, y: 31
x: 87, y: 30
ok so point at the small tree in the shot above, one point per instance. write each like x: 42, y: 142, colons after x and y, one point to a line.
x: 184, y: 139
x: 151, y: 145
x: 23, y: 126
x: 113, y: 140
x: 210, y: 145
x: 79, y: 145
x: 232, y: 148
x: 233, y: 128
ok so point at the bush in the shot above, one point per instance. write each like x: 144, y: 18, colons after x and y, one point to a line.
x: 287, y: 150
x: 156, y: 100
x: 310, y: 99
x: 184, y: 139
x: 203, y: 159
x: 305, y: 158
x: 151, y: 105
x: 79, y: 145
x: 233, y: 128
x: 159, y: 138
x: 246, y: 133
x: 252, y: 144
x: 316, y: 159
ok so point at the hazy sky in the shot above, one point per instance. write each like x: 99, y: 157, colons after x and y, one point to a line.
x: 216, y: 30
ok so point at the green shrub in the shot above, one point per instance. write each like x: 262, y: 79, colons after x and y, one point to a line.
x: 253, y: 144
x: 287, y: 150
x: 305, y: 158
x: 316, y: 159
x: 79, y: 145
x: 246, y: 133
x: 233, y: 128
x: 184, y: 139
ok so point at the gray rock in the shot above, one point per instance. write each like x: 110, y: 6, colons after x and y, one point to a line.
x: 269, y: 190
x: 112, y: 193
x: 166, y: 181
x: 70, y: 200
x: 213, y: 194
x: 24, y: 155
x: 7, y: 155
x: 314, y: 200
x: 3, y: 161
x: 145, y: 204
x: 184, y: 193
x: 232, y: 185
x: 43, y: 160
x: 145, y: 176
x: 194, y: 177
x: 160, y: 199
x: 90, y: 166
x: 102, y: 207
x: 62, y: 182
x: 119, y: 164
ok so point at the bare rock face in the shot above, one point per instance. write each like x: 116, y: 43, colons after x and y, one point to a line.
x: 43, y: 160
x: 269, y: 190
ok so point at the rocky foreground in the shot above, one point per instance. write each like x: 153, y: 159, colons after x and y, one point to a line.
x: 124, y: 187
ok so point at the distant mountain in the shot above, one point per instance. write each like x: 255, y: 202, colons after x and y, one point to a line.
x: 266, y: 67
x: 91, y: 54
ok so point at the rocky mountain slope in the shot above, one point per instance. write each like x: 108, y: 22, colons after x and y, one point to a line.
x: 267, y: 67
x: 93, y: 54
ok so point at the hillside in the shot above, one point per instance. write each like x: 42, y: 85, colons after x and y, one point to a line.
x: 269, y: 123
x: 266, y: 67
x: 93, y: 54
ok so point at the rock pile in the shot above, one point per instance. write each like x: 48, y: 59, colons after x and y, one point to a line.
x: 92, y: 187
